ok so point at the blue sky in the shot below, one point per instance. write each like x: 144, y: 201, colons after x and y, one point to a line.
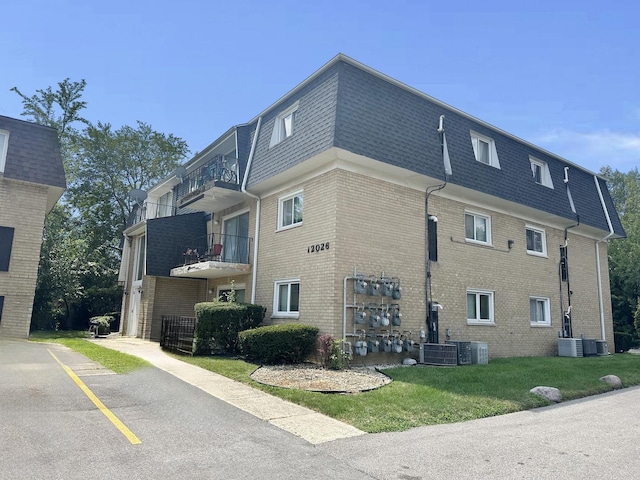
x: 561, y: 74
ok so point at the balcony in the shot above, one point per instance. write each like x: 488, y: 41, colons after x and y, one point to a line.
x: 213, y: 256
x: 149, y: 210
x: 211, y: 187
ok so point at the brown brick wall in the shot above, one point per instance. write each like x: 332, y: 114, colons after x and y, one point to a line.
x: 284, y: 254
x: 23, y: 208
x: 378, y: 227
x: 172, y: 296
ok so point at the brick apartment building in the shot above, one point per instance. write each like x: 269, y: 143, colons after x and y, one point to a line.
x: 32, y: 180
x: 353, y: 177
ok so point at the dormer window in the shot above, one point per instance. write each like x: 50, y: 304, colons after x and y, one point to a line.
x: 540, y: 171
x: 284, y: 125
x: 4, y: 141
x: 484, y: 149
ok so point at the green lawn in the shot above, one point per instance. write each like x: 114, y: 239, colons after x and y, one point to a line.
x: 432, y: 395
x: 116, y: 361
x: 418, y: 395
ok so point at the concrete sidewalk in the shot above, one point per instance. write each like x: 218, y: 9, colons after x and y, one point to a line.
x: 303, y: 422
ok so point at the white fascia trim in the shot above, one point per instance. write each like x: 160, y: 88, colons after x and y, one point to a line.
x: 604, y: 206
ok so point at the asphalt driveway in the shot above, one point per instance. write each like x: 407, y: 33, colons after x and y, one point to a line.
x: 49, y: 429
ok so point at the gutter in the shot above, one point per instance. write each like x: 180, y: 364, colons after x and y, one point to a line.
x: 243, y: 189
x: 598, y: 268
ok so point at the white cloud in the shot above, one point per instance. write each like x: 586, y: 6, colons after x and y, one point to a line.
x: 593, y: 150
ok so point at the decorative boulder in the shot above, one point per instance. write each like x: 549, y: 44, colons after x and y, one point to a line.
x: 409, y: 361
x: 550, y: 393
x: 612, y: 380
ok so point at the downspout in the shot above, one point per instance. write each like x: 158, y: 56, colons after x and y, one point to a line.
x: 567, y: 327
x: 447, y: 171
x: 243, y: 188
x: 598, y: 268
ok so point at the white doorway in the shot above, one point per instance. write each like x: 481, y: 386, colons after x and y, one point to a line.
x: 134, y: 309
x: 135, y: 294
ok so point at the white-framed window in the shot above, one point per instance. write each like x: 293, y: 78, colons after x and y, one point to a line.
x: 140, y: 258
x: 480, y: 307
x: 286, y: 298
x: 536, y: 241
x: 539, y: 312
x: 4, y: 143
x: 284, y: 125
x: 290, y: 210
x: 540, y: 171
x: 484, y: 149
x: 165, y: 207
x: 477, y: 228
x: 226, y: 292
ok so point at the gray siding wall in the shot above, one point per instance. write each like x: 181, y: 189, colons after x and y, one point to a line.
x: 382, y: 121
x: 313, y: 129
x: 165, y: 235
x: 33, y: 153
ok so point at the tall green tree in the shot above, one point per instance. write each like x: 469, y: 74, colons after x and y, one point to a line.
x: 80, y: 252
x: 108, y: 164
x: 624, y: 254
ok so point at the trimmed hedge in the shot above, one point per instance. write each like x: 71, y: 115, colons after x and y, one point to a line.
x: 218, y: 325
x: 288, y: 343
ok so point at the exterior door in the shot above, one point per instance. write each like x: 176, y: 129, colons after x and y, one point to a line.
x: 236, y: 239
x: 134, y: 309
x: 135, y: 294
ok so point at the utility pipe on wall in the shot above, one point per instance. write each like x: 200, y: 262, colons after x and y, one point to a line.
x: 243, y: 188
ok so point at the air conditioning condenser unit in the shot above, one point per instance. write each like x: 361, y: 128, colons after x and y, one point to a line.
x: 570, y: 347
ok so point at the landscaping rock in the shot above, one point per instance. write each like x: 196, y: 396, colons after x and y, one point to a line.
x: 409, y: 361
x: 550, y: 393
x: 612, y: 380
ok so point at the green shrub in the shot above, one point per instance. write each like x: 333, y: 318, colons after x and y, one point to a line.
x: 101, y: 325
x: 332, y: 354
x: 624, y: 341
x: 289, y: 343
x: 218, y: 325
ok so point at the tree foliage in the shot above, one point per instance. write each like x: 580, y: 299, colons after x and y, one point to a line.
x: 108, y: 164
x: 80, y: 253
x: 624, y: 254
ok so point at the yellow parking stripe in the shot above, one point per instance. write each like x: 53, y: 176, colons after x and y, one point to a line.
x: 107, y: 413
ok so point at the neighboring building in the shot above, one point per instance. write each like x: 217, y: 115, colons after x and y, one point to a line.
x: 31, y: 182
x: 350, y: 175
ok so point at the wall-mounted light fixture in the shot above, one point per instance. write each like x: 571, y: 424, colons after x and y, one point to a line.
x: 510, y: 243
